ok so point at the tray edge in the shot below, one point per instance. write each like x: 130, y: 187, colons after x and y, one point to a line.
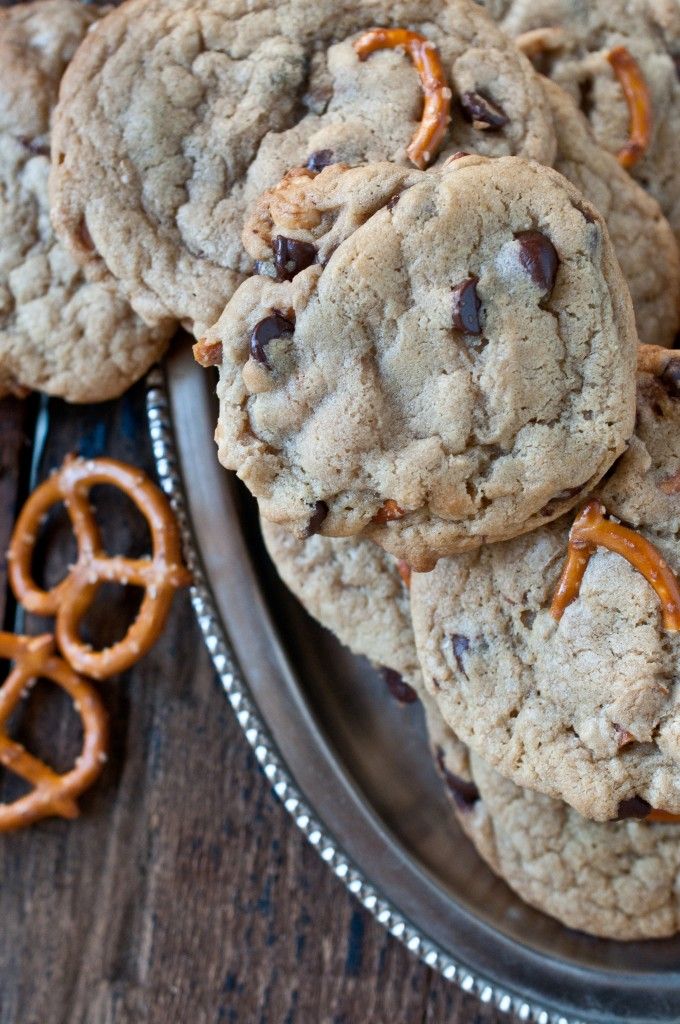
x: 270, y: 761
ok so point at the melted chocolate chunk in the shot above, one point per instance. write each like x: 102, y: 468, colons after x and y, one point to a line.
x: 670, y: 378
x: 466, y: 306
x: 633, y: 807
x: 319, y: 513
x: 320, y: 159
x: 460, y: 645
x: 464, y: 792
x: 539, y: 258
x: 291, y: 256
x: 401, y: 691
x: 265, y: 268
x: 275, y: 326
x: 483, y: 112
x: 676, y: 61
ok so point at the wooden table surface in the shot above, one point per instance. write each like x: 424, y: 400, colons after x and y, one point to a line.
x: 184, y: 893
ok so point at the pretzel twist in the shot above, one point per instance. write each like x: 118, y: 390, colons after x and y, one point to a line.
x: 70, y: 600
x: 437, y: 107
x: 53, y: 794
x: 590, y: 531
x: 632, y: 81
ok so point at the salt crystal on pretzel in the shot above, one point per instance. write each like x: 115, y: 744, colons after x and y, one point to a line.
x: 53, y: 794
x: 70, y: 600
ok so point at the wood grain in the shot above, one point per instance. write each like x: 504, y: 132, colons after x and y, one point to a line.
x: 184, y: 893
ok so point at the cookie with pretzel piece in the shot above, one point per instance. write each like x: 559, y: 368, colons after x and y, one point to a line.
x: 174, y: 114
x: 455, y: 368
x: 555, y: 656
x: 642, y: 237
x: 616, y: 880
x: 60, y: 331
x: 619, y: 61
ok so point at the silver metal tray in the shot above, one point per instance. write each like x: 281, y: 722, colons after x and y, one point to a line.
x: 353, y: 769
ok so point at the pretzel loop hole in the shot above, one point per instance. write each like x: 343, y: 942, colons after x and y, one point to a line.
x: 52, y: 794
x: 70, y: 600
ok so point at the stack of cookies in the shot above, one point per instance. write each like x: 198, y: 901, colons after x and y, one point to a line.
x: 442, y: 300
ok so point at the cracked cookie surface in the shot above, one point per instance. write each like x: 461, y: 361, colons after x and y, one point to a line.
x: 169, y: 102
x: 458, y: 370
x: 59, y: 332
x: 616, y: 880
x: 587, y: 708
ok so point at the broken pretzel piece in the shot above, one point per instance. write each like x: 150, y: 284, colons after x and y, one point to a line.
x: 635, y: 89
x: 592, y: 530
x: 437, y: 107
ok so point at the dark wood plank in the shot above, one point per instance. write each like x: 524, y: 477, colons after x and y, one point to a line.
x: 184, y: 892
x: 16, y: 420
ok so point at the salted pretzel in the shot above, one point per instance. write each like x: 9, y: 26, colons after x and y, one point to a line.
x: 53, y: 794
x: 69, y: 601
x: 437, y: 108
x: 592, y: 530
x: 632, y: 81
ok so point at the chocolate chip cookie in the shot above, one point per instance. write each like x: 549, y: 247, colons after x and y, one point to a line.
x: 356, y: 590
x: 597, y: 51
x: 168, y: 103
x: 59, y: 332
x: 644, y: 243
x: 557, y: 659
x: 458, y: 370
x: 616, y: 880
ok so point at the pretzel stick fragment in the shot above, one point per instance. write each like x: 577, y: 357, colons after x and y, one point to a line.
x: 437, y: 107
x: 636, y: 91
x: 592, y: 530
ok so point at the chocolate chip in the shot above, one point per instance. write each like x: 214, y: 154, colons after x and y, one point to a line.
x: 460, y: 645
x: 401, y: 691
x: 464, y: 792
x: 633, y: 807
x: 392, y: 202
x: 265, y: 268
x: 539, y: 258
x: 34, y: 147
x: 670, y: 378
x: 291, y: 256
x: 319, y: 513
x: 483, y: 112
x: 320, y: 159
x: 275, y: 326
x: 466, y: 306
x: 676, y: 61
x: 558, y: 499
